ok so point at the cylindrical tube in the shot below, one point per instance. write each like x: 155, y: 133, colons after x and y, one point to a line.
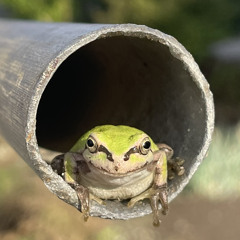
x: 58, y: 80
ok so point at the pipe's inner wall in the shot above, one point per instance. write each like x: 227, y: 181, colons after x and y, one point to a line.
x: 123, y: 80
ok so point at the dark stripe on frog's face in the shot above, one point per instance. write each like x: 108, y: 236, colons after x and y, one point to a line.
x: 128, y: 153
x: 103, y: 149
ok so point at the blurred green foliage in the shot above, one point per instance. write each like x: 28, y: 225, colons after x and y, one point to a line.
x: 44, y: 10
x: 226, y: 91
x: 218, y: 175
x: 194, y: 23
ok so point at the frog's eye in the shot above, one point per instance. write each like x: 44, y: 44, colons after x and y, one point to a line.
x: 91, y: 145
x: 145, y: 146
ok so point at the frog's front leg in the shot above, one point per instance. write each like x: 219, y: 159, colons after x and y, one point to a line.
x: 159, y: 187
x: 69, y: 166
x: 83, y: 196
x: 158, y: 191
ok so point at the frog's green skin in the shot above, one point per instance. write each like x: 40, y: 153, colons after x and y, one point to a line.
x: 117, y: 162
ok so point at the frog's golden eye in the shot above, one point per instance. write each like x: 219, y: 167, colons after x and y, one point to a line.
x: 145, y: 146
x: 91, y: 145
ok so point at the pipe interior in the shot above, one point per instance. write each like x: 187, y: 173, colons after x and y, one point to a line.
x: 123, y: 80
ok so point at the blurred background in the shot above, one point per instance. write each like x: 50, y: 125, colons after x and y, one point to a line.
x: 208, y: 208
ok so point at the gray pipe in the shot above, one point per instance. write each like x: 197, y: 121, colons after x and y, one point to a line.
x: 57, y: 80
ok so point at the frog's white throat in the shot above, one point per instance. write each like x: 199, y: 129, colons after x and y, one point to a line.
x: 112, y: 186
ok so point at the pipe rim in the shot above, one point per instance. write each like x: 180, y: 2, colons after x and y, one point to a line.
x: 50, y: 179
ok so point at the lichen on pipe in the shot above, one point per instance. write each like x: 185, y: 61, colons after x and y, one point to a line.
x: 58, y: 80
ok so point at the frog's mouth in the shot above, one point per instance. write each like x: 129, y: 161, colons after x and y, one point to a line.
x: 116, y: 171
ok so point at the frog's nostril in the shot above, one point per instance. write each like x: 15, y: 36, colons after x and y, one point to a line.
x: 116, y: 168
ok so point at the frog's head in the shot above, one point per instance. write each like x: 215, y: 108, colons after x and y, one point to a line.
x: 116, y: 149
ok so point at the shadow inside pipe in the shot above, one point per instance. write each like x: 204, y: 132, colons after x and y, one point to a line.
x: 123, y: 80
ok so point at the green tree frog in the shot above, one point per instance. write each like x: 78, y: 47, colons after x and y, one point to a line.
x: 119, y: 162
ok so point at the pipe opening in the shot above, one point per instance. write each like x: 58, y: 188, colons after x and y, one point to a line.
x: 63, y: 79
x: 123, y: 80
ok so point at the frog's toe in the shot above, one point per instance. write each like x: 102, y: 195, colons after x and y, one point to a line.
x: 171, y: 174
x: 180, y: 169
x: 163, y: 198
x: 83, y: 196
x: 96, y: 199
x: 179, y: 161
x: 156, y: 219
x: 175, y: 166
x: 154, y: 205
x: 159, y: 194
x: 85, y: 214
x: 133, y: 201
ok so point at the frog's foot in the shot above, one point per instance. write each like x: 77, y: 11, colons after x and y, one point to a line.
x: 140, y: 197
x: 159, y: 194
x: 175, y: 166
x: 57, y: 164
x: 155, y: 194
x: 96, y: 199
x: 83, y: 196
